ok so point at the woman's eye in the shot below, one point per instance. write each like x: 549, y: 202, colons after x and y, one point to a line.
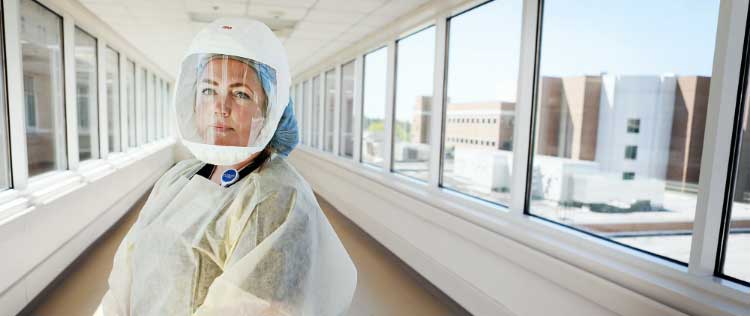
x: 242, y: 95
x: 208, y: 91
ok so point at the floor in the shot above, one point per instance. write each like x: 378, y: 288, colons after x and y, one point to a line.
x: 386, y: 286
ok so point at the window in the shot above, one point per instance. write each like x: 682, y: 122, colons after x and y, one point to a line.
x: 346, y: 142
x: 415, y: 63
x: 481, y: 80
x: 157, y: 108
x: 735, y: 253
x: 152, y: 98
x: 306, y: 113
x: 5, y: 179
x: 112, y: 69
x: 373, y: 107
x: 578, y: 176
x: 634, y: 126
x: 141, y: 115
x: 631, y: 152
x: 160, y: 123
x: 298, y: 108
x: 315, y: 125
x: 86, y: 95
x: 130, y: 102
x: 163, y: 110
x: 168, y: 119
x: 330, y: 108
x: 41, y: 50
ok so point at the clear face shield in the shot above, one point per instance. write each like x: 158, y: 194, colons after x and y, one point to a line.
x: 224, y: 100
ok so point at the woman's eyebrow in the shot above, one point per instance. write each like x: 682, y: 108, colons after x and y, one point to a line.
x: 239, y: 84
x: 209, y: 81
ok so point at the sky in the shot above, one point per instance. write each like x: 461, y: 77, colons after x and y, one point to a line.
x: 579, y: 37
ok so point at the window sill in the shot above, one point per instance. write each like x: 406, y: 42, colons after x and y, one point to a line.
x: 47, y: 187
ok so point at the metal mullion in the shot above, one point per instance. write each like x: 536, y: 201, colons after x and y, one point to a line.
x: 69, y: 85
x: 124, y: 114
x: 124, y: 136
x: 15, y: 94
x: 307, y: 88
x: 390, y: 93
x: 102, y: 96
x: 161, y: 108
x: 321, y: 110
x: 720, y: 116
x: 140, y: 106
x: 337, y: 111
x: 137, y: 116
x: 522, y: 132
x: 437, y: 107
x: 359, y: 72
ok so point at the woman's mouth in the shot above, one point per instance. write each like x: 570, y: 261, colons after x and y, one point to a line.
x: 221, y: 128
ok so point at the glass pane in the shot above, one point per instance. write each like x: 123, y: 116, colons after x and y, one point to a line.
x: 169, y: 105
x: 5, y: 180
x: 315, y: 125
x: 141, y: 108
x: 373, y: 107
x: 619, y: 125
x: 152, y: 108
x: 737, y: 251
x: 298, y: 102
x: 306, y: 112
x: 86, y: 95
x: 481, y: 86
x: 415, y: 63
x: 330, y: 107
x: 41, y: 49
x: 157, y: 107
x: 163, y: 109
x: 112, y: 64
x: 130, y: 101
x: 346, y: 141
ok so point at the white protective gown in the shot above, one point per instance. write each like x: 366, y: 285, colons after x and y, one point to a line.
x: 259, y: 247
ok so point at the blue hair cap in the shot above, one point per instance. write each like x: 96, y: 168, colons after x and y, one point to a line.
x: 286, y: 136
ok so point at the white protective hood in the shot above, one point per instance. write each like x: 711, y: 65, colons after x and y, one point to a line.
x: 233, y: 38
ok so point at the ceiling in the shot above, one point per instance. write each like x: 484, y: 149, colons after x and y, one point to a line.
x: 311, y: 30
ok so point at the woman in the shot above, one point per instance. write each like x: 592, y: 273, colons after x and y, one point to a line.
x: 236, y: 231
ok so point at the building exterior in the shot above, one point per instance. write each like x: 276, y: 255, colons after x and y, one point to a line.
x: 638, y: 136
x: 567, y: 118
x: 485, y: 124
x: 688, y: 126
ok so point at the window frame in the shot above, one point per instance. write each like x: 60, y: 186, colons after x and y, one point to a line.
x: 5, y: 108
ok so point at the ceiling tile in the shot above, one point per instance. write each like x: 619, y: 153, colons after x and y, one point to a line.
x: 398, y: 8
x: 288, y: 3
x: 333, y: 16
x: 365, y: 6
x: 271, y: 11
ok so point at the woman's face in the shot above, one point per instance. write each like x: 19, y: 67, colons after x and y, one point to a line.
x: 229, y: 103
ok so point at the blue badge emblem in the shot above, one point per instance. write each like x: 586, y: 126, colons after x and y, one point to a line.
x: 228, y: 177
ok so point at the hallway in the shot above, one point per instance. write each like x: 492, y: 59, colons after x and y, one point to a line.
x: 386, y: 286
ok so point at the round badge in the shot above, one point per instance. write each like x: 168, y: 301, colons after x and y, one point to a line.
x: 229, y: 177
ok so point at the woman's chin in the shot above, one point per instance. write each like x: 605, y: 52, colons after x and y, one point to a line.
x: 222, y: 141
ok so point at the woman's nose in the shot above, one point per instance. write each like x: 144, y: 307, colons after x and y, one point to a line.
x: 222, y: 105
